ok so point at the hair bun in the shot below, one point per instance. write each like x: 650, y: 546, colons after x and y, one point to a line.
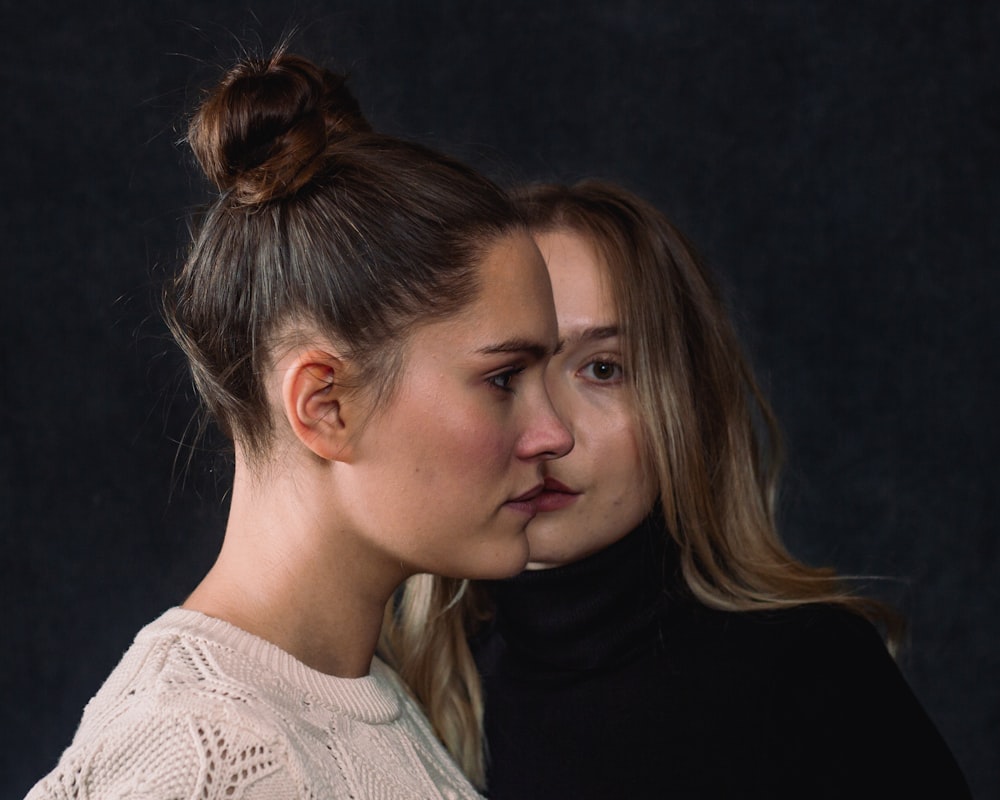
x: 263, y: 132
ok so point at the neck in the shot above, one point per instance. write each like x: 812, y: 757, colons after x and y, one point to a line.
x: 594, y: 612
x: 288, y: 573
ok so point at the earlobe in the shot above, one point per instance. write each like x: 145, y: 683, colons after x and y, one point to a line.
x: 312, y: 394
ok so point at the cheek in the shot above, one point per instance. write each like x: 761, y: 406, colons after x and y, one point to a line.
x: 469, y: 443
x: 617, y: 446
x: 619, y: 463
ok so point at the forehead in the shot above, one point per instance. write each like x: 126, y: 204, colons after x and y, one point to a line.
x: 580, y: 285
x: 511, y: 267
x: 513, y: 304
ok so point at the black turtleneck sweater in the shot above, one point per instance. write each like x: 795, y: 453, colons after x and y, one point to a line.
x: 605, y: 679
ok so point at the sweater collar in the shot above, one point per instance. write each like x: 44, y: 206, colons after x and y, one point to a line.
x: 591, y: 613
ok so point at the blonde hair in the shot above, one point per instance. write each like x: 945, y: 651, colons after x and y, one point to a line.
x: 710, y: 438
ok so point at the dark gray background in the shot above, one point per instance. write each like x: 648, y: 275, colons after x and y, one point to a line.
x: 837, y: 163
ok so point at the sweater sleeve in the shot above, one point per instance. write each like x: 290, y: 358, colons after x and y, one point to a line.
x: 141, y: 755
x: 856, y: 721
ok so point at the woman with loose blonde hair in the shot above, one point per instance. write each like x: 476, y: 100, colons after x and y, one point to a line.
x: 663, y: 641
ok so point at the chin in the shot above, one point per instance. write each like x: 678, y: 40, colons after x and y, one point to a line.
x: 505, y: 562
x: 550, y: 546
x: 546, y: 557
x: 555, y: 551
x: 553, y: 532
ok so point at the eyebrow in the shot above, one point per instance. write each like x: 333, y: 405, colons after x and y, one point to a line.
x: 593, y: 334
x: 536, y: 350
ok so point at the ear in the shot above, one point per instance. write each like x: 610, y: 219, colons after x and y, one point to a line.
x: 312, y: 395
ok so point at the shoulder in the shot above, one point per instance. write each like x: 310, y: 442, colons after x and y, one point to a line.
x: 769, y: 638
x: 168, y: 722
x: 151, y: 749
x: 178, y: 667
x: 813, y: 656
x: 830, y: 653
x: 808, y: 632
x: 836, y: 698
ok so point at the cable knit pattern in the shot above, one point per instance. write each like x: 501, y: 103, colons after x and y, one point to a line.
x: 198, y: 708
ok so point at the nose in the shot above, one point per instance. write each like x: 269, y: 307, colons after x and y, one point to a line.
x: 545, y: 436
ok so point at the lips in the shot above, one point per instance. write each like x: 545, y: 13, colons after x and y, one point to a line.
x: 555, y: 496
x: 531, y: 494
x: 552, y: 485
x: 527, y: 503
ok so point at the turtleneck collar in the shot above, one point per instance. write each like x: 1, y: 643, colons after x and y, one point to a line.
x: 592, y: 613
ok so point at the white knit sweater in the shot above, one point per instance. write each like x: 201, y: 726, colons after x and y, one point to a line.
x: 199, y: 708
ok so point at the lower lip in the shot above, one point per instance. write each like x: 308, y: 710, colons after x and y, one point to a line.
x: 553, y: 501
x: 527, y: 507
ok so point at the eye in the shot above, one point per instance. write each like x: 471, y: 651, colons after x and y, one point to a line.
x: 504, y: 380
x: 602, y: 370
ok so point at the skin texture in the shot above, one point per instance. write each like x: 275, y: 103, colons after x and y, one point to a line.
x: 433, y: 478
x: 606, y: 492
x: 442, y: 479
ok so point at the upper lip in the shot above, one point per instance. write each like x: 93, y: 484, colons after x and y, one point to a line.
x: 531, y: 494
x: 552, y: 485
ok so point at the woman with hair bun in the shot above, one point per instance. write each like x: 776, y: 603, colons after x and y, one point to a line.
x: 664, y: 642
x: 368, y: 321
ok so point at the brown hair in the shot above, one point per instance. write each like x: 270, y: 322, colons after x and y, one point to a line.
x: 322, y: 224
x: 710, y: 438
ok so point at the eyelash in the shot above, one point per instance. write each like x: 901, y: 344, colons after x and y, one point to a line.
x: 617, y: 374
x: 507, y: 375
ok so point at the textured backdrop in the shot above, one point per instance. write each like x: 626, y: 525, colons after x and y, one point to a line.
x: 836, y: 162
